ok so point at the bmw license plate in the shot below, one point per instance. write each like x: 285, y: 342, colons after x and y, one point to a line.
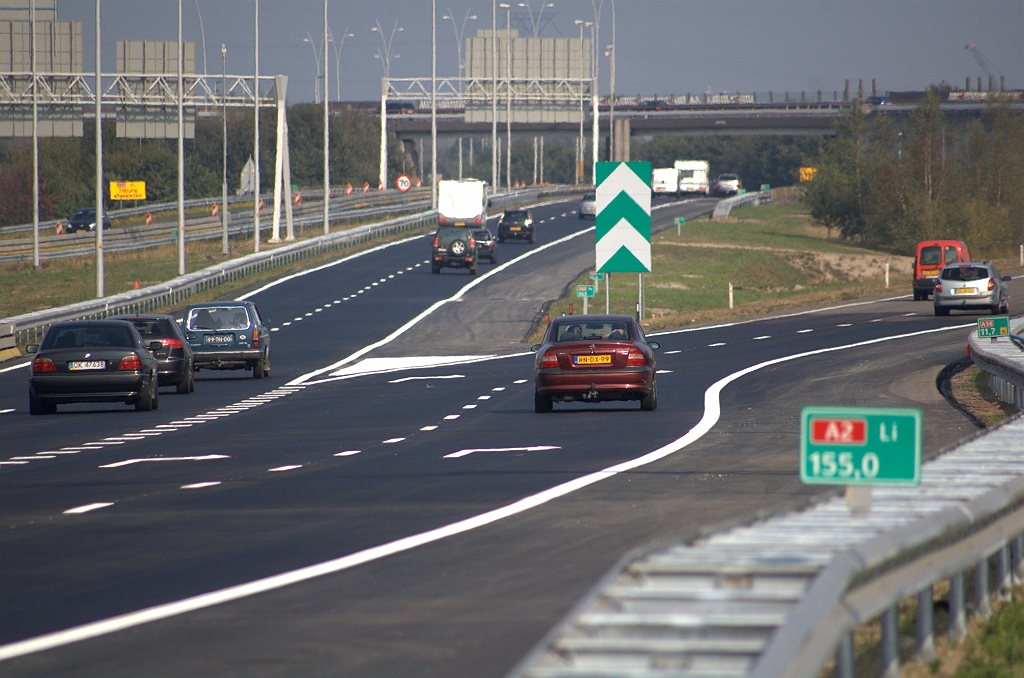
x: 87, y: 365
x: 218, y: 339
x: 966, y: 290
x: 592, y: 360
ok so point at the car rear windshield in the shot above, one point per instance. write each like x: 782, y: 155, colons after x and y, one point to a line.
x: 515, y: 217
x: 589, y: 331
x: 160, y: 327
x: 965, y: 273
x: 446, y: 236
x: 590, y: 197
x: 728, y: 177
x: 482, y: 235
x: 931, y: 255
x: 218, y: 318
x: 88, y: 336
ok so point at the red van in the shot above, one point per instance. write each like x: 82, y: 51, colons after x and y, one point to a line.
x: 932, y: 255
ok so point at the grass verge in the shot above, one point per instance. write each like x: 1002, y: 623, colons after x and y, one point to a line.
x: 971, y: 390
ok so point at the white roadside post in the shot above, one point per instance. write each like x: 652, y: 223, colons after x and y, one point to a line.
x: 281, y: 88
x: 730, y: 296
x: 623, y: 224
x: 887, y: 275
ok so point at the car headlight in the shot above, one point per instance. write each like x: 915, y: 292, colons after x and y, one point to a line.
x: 92, y: 226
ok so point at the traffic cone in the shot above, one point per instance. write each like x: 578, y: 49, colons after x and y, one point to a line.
x: 136, y: 284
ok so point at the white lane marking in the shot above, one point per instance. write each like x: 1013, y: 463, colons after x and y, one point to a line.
x: 286, y: 324
x: 308, y: 315
x: 15, y: 367
x: 129, y: 462
x: 297, y: 319
x: 373, y: 285
x: 484, y: 398
x: 347, y: 453
x: 877, y: 320
x: 318, y: 310
x: 428, y: 428
x: 433, y: 307
x: 84, y: 509
x: 12, y: 463
x: 778, y: 317
x: 535, y: 448
x: 453, y: 416
x: 360, y: 291
x: 327, y: 305
x: 390, y: 276
x: 337, y: 301
x: 8, y: 410
x: 330, y: 264
x: 25, y: 458
x: 671, y: 352
x: 469, y: 407
x: 664, y: 372
x: 284, y: 468
x: 61, y: 452
x: 498, y: 388
x: 389, y: 441
x: 845, y: 325
x: 803, y: 331
x: 40, y: 455
x: 274, y: 329
x: 439, y: 376
x: 519, y: 381
x: 907, y: 315
x: 721, y: 343
x: 197, y: 486
x: 763, y: 336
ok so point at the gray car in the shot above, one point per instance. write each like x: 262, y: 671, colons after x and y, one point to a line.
x: 588, y: 206
x: 971, y: 285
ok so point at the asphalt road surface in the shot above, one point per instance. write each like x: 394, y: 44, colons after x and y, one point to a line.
x: 388, y: 503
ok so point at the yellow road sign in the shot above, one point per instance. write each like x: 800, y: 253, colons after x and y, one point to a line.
x: 127, y: 190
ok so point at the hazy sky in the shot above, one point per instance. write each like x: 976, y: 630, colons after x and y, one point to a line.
x: 664, y: 46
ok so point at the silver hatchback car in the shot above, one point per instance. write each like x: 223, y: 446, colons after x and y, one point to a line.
x: 971, y: 285
x: 588, y: 206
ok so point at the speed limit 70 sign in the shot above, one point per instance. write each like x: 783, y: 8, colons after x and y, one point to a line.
x: 403, y: 183
x: 860, y: 446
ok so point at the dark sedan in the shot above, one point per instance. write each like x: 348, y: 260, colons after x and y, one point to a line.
x: 85, y: 220
x: 228, y: 335
x: 92, y: 361
x: 486, y: 247
x: 174, y: 357
x: 595, y: 358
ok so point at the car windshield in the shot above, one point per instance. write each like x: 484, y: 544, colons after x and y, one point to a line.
x: 950, y: 254
x: 84, y: 214
x: 965, y: 273
x: 83, y: 336
x: 931, y: 255
x: 515, y: 217
x: 159, y: 327
x: 446, y: 236
x: 588, y: 331
x: 218, y: 318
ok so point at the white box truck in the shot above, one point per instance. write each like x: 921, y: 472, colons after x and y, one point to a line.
x: 665, y: 181
x: 461, y: 203
x: 693, y: 176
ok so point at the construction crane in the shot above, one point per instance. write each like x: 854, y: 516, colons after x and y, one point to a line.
x: 981, y: 62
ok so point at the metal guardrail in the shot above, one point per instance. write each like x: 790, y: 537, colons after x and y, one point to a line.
x: 724, y: 207
x: 30, y: 327
x: 775, y: 597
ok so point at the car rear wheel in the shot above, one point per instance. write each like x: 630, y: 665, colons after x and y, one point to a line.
x: 188, y: 384
x: 533, y: 237
x: 266, y: 367
x: 258, y: 369
x: 435, y: 269
x: 145, y: 401
x: 649, y: 402
x: 941, y: 311
x: 1005, y: 308
x: 37, y: 406
x: 494, y: 258
x: 542, y: 403
x: 472, y: 270
x: 917, y: 296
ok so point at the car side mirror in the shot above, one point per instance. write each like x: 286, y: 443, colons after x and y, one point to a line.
x: 654, y: 345
x: 155, y: 346
x: 32, y: 348
x: 535, y: 348
x: 267, y: 321
x: 1007, y: 278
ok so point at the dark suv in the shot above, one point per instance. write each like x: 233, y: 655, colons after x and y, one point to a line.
x: 486, y: 248
x: 454, y: 247
x: 516, y: 224
x: 85, y: 220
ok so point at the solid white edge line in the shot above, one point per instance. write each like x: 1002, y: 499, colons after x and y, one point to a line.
x: 15, y: 367
x: 712, y: 412
x: 433, y: 307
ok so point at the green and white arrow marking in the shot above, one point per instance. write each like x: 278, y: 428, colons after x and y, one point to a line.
x: 624, y: 217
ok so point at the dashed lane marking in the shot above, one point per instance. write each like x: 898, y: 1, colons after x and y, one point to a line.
x: 535, y: 448
x: 198, y: 486
x: 432, y: 427
x: 452, y: 416
x: 7, y: 411
x: 763, y: 336
x: 391, y: 441
x: 469, y: 407
x: 803, y: 331
x: 438, y: 376
x: 519, y: 381
x: 89, y: 507
x: 129, y: 462
x: 347, y: 453
x: 290, y: 467
x: 845, y: 325
x: 671, y: 352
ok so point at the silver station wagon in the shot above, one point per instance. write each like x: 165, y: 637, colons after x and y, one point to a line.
x: 971, y: 285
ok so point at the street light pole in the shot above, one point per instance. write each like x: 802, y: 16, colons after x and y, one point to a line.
x: 256, y: 151
x: 337, y: 60
x: 594, y: 120
x: 327, y: 138
x: 100, y: 292
x: 459, y: 32
x: 225, y: 248
x: 35, y: 141
x: 385, y: 58
x: 611, y: 94
x: 433, y: 104
x: 494, y: 95
x: 508, y: 94
x: 316, y: 62
x: 181, y: 148
x: 537, y: 24
x: 579, y: 149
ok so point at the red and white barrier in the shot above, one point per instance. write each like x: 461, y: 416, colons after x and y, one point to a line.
x: 149, y: 219
x: 348, y: 189
x: 215, y: 210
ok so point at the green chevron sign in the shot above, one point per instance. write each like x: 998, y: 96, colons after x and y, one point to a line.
x: 624, y: 217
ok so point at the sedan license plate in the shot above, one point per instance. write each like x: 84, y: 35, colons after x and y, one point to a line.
x: 514, y: 228
x: 87, y: 365
x: 966, y: 290
x: 592, y: 360
x: 218, y: 339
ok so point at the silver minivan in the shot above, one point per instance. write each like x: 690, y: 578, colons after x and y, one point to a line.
x: 971, y: 285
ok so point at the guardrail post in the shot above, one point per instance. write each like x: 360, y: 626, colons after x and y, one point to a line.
x: 890, y: 644
x: 1003, y: 575
x: 1017, y: 559
x: 982, y: 603
x: 844, y: 656
x: 957, y: 611
x: 925, y: 649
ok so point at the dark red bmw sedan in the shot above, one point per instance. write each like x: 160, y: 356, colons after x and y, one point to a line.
x: 595, y: 358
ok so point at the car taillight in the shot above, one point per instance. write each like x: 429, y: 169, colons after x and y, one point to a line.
x: 991, y: 284
x: 938, y: 286
x: 636, y: 358
x: 477, y: 220
x: 550, y: 359
x: 472, y: 242
x: 255, y: 339
x: 436, y: 239
x: 43, y: 365
x: 130, y: 363
x: 171, y: 343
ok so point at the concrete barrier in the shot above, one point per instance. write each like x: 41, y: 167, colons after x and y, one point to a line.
x: 8, y: 344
